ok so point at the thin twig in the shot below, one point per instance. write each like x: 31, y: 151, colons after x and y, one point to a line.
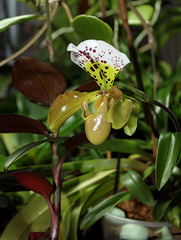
x: 49, y: 32
x: 67, y: 10
x: 153, y: 44
x: 30, y: 42
x: 103, y: 9
x: 116, y: 32
x: 133, y: 54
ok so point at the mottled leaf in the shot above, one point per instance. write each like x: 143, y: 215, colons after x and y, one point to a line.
x: 37, y: 80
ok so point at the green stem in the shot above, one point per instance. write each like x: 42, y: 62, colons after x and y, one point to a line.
x: 49, y: 31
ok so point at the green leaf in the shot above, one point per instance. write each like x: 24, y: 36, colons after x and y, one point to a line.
x: 99, y: 210
x: 168, y: 151
x: 7, y: 22
x: 23, y: 150
x: 35, y: 217
x: 118, y: 145
x: 160, y: 208
x: 137, y: 187
x: 90, y: 27
x: 76, y: 211
x: 90, y: 165
x: 146, y: 11
x: 173, y: 214
x: 163, y: 96
x: 83, y: 181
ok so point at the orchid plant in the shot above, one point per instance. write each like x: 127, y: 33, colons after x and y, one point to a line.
x: 112, y: 108
x: 115, y: 106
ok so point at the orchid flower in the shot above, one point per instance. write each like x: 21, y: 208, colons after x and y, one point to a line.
x: 112, y: 108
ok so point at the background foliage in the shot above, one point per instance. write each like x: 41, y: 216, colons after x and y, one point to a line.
x: 89, y: 171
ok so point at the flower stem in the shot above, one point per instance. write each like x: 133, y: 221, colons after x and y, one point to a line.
x: 49, y: 31
x: 117, y: 173
x: 141, y: 96
x: 57, y: 193
x: 168, y: 111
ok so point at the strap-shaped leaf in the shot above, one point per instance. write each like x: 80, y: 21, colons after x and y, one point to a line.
x: 99, y: 210
x: 23, y: 150
x: 14, y: 123
x: 7, y: 22
x: 119, y: 145
x: 169, y: 148
x: 137, y: 187
x: 160, y: 208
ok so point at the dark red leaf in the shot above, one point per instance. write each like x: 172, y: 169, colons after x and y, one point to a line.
x: 8, y: 183
x: 37, y: 80
x: 37, y: 236
x: 35, y: 182
x: 88, y: 87
x: 14, y: 123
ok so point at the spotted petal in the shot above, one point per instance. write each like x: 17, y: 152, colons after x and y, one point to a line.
x: 101, y: 60
x: 65, y: 105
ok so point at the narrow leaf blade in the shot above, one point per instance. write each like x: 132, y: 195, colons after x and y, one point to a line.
x: 7, y: 22
x: 137, y: 187
x: 160, y: 208
x: 14, y: 123
x: 118, y: 145
x: 23, y: 150
x: 167, y: 154
x: 99, y: 210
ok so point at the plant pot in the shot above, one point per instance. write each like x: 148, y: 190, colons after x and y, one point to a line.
x: 121, y: 228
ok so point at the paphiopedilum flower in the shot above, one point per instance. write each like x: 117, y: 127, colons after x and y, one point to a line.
x: 112, y: 108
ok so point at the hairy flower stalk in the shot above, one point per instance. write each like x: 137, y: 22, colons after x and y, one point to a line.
x: 112, y: 108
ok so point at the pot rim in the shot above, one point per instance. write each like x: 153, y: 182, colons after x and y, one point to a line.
x: 121, y: 220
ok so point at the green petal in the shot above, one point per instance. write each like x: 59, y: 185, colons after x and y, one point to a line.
x: 65, y: 105
x: 97, y: 128
x: 131, y: 125
x: 119, y: 113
